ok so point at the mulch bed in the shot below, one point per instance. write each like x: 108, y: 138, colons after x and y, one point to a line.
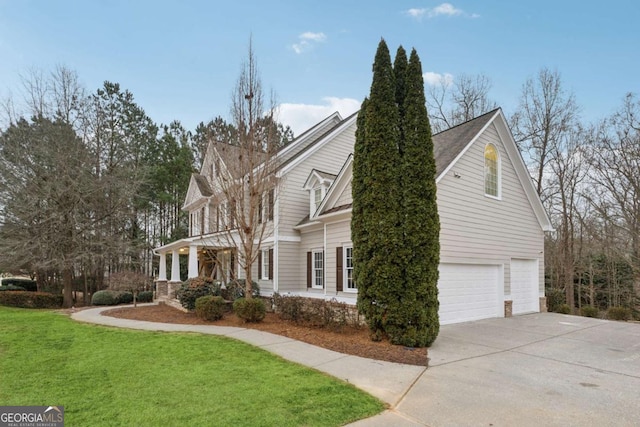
x: 348, y: 340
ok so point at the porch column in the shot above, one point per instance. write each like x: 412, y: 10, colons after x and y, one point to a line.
x: 162, y: 272
x: 175, y: 266
x: 193, y: 261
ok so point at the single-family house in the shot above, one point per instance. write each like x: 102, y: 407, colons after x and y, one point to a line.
x: 492, y: 222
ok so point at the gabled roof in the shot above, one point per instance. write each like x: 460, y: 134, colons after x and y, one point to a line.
x: 319, y: 176
x: 448, y: 147
x: 203, y: 185
x: 448, y: 144
x: 286, y: 162
x: 307, y: 138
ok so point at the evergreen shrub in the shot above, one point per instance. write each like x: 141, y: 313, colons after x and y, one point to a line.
x: 236, y: 289
x: 555, y: 298
x: 619, y: 313
x: 195, y: 288
x: 145, y: 296
x: 11, y: 288
x: 589, y: 311
x: 250, y: 310
x: 564, y: 309
x: 124, y: 297
x: 210, y: 307
x: 105, y: 297
x: 27, y: 299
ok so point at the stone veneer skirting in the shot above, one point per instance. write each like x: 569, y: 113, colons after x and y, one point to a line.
x: 508, y: 308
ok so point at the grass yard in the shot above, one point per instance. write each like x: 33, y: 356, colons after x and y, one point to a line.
x: 104, y: 376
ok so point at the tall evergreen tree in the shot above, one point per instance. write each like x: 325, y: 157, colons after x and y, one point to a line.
x: 417, y: 323
x: 400, y: 65
x: 395, y: 226
x: 375, y: 186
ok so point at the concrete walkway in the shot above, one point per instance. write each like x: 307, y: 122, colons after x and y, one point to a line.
x: 385, y: 380
x: 538, y: 369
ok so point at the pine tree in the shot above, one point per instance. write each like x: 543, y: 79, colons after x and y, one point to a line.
x: 418, y: 324
x: 376, y: 199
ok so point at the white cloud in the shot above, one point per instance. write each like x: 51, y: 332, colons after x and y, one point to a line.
x: 432, y: 78
x: 444, y: 9
x: 302, y: 116
x: 306, y: 40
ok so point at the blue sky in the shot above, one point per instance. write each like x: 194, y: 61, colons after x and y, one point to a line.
x: 180, y: 59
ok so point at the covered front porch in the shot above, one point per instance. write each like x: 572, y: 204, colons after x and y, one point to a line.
x: 207, y: 257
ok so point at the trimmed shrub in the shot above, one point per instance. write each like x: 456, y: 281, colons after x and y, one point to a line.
x: 316, y: 312
x: 236, y: 288
x: 104, y: 298
x: 145, y: 296
x: 289, y: 308
x: 11, y: 288
x: 26, y: 284
x: 249, y: 310
x: 195, y: 288
x: 619, y: 313
x: 589, y: 311
x: 26, y: 299
x: 555, y: 299
x: 210, y: 307
x: 124, y: 297
x: 564, y: 309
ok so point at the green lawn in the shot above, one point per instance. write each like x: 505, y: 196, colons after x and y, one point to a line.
x: 106, y: 376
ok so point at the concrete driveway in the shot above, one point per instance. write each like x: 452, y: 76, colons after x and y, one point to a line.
x: 542, y: 369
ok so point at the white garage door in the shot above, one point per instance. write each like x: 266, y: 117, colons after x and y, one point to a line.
x: 524, y: 286
x: 468, y: 292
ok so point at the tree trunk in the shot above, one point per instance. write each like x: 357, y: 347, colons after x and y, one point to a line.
x: 67, y: 281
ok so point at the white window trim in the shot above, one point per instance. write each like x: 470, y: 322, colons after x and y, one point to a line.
x: 312, y: 198
x: 265, y: 264
x: 314, y: 269
x: 498, y: 173
x: 345, y: 281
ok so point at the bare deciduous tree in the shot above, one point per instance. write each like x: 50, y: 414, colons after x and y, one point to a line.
x: 545, y: 114
x: 615, y: 160
x: 248, y: 185
x: 451, y: 102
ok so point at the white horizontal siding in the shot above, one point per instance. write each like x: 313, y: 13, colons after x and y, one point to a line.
x: 345, y: 198
x: 338, y: 235
x: 288, y: 271
x: 474, y: 226
x: 294, y: 200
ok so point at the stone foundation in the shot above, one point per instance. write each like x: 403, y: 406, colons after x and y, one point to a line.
x: 161, y: 288
x: 543, y: 304
x: 508, y: 308
x: 172, y: 288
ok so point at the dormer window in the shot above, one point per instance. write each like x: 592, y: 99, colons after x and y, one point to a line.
x: 317, y: 185
x: 317, y: 197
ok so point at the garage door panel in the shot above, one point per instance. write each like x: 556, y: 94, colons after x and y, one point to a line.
x: 524, y: 286
x: 468, y: 292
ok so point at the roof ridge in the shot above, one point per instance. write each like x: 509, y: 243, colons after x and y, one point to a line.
x: 469, y: 121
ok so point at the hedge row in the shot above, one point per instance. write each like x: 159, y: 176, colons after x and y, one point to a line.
x: 26, y: 299
x: 109, y: 297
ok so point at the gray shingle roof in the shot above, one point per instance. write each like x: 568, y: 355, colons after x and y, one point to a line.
x: 449, y: 143
x: 203, y: 185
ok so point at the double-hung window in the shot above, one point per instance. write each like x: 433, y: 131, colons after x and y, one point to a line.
x: 318, y: 269
x: 350, y: 284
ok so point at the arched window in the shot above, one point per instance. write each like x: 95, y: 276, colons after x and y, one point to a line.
x: 491, y: 171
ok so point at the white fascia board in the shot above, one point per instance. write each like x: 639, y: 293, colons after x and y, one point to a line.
x: 318, y: 146
x: 466, y: 148
x: 309, y: 132
x: 523, y: 173
x: 338, y: 185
